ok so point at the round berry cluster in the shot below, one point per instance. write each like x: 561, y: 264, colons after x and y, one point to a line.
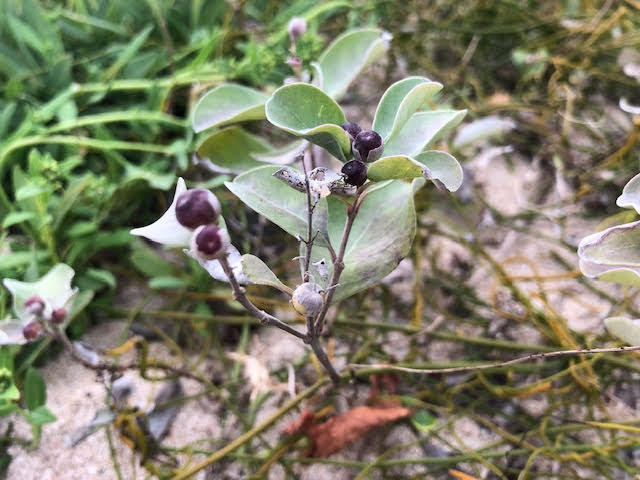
x: 367, y: 146
x: 199, y: 210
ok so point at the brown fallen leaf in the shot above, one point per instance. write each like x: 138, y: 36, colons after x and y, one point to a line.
x: 331, y: 436
x: 460, y: 475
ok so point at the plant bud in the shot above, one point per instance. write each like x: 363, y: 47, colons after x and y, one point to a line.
x: 58, y: 315
x: 367, y: 146
x: 210, y: 242
x: 355, y: 172
x: 34, y: 305
x: 297, y: 28
x: 32, y: 330
x: 306, y: 300
x: 197, y: 207
x: 352, y: 129
x: 294, y: 62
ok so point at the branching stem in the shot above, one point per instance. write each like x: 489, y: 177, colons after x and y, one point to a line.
x: 486, y: 366
x: 264, y: 317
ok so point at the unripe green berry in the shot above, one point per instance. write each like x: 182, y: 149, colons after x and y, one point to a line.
x: 306, y: 300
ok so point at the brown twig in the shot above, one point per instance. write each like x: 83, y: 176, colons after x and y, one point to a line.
x: 264, y: 317
x: 486, y: 366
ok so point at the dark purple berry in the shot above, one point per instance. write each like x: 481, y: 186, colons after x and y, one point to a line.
x: 58, y: 315
x: 355, y: 172
x: 210, y: 241
x: 367, y: 146
x: 32, y: 330
x: 353, y: 129
x: 34, y: 305
x: 197, y: 207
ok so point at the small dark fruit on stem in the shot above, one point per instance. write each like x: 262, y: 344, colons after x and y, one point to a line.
x: 367, y: 146
x: 197, y: 207
x: 210, y: 242
x: 59, y: 315
x: 34, y: 305
x: 353, y: 129
x: 32, y: 330
x: 355, y: 172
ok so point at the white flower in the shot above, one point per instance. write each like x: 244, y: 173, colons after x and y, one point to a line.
x: 167, y: 230
x: 55, y: 291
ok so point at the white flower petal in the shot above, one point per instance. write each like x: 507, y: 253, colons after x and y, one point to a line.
x: 54, y: 288
x: 215, y: 269
x: 167, y: 230
x: 11, y: 333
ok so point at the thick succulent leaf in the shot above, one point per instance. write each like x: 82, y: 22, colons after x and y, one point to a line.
x: 231, y: 151
x: 283, y: 155
x: 432, y: 165
x: 613, y: 254
x: 167, y: 230
x: 54, y: 288
x: 259, y: 273
x: 380, y: 237
x: 487, y: 127
x: 228, y: 103
x: 278, y: 202
x: 421, y: 130
x: 308, y: 112
x: 392, y: 168
x: 400, y: 102
x: 625, y: 329
x: 348, y: 55
x: 443, y: 167
x: 630, y: 197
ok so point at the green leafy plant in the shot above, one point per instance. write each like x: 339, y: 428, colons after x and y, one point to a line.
x: 613, y: 255
x: 354, y: 216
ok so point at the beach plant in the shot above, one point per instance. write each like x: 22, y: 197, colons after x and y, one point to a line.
x: 343, y: 191
x: 613, y: 255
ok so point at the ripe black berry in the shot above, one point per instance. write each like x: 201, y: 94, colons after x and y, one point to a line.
x: 355, y: 172
x: 367, y: 146
x: 210, y: 241
x: 353, y: 129
x: 58, y: 315
x: 197, y: 207
x: 32, y: 330
x: 34, y: 305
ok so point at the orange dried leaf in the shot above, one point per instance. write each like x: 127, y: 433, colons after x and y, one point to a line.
x: 460, y: 475
x: 331, y: 436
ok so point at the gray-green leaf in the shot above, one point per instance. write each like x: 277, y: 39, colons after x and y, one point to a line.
x: 625, y: 329
x: 279, y: 203
x: 307, y: 112
x: 421, y: 130
x: 400, y: 102
x: 228, y: 103
x: 231, y: 151
x: 259, y: 273
x: 380, y: 237
x: 348, y: 55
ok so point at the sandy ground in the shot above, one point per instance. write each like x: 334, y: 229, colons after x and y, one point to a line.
x: 74, y: 393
